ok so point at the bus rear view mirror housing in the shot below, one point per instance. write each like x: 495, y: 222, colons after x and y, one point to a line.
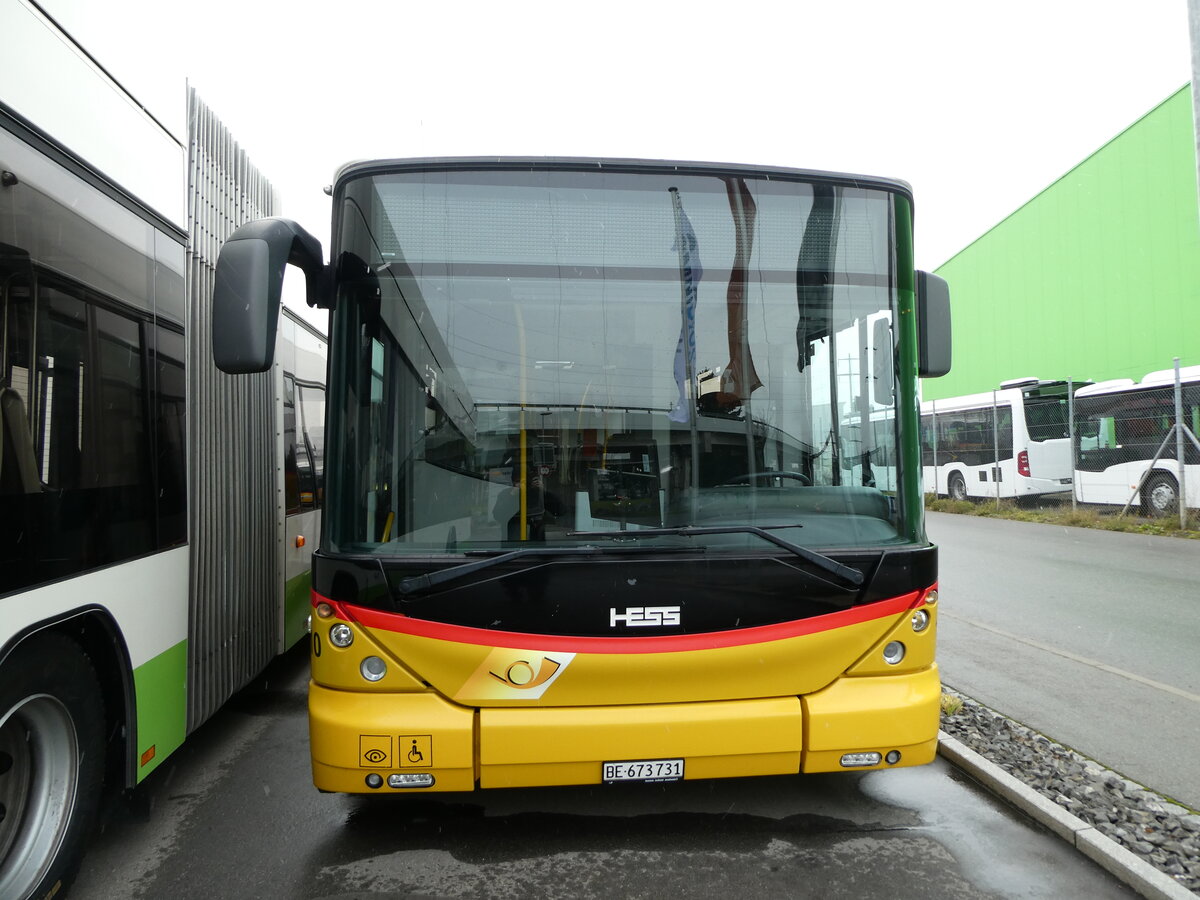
x: 933, y: 326
x: 249, y: 286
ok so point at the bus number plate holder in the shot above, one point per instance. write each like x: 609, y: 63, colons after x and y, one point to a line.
x: 644, y: 770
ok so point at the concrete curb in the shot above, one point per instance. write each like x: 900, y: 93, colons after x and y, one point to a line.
x: 1097, y: 846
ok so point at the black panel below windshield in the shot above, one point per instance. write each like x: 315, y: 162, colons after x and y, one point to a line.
x: 578, y: 597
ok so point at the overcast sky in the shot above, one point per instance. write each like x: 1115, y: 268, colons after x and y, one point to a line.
x: 978, y: 106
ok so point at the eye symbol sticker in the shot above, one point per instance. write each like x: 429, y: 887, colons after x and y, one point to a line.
x: 375, y: 750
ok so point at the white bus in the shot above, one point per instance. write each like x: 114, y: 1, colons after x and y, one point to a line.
x: 1121, y: 426
x: 156, y: 516
x: 1009, y: 443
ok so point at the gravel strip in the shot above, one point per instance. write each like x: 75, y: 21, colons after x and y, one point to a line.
x: 1161, y: 832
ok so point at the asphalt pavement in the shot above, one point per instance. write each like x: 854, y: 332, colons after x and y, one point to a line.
x: 1087, y: 636
x: 233, y: 814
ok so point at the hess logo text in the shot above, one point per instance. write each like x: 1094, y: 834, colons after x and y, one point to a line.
x: 640, y: 616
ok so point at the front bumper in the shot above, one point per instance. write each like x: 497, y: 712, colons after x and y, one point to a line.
x: 356, y: 734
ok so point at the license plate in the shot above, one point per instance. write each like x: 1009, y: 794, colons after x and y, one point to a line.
x: 644, y: 770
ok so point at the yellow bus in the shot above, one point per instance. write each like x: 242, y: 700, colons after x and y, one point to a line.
x: 591, y: 515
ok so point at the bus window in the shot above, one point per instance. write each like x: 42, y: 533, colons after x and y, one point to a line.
x: 60, y: 384
x: 76, y: 401
x: 170, y: 384
x: 300, y: 449
x: 292, y: 490
x: 120, y: 439
x: 312, y: 433
x: 291, y: 478
x: 18, y: 469
x: 971, y: 436
x: 1046, y: 418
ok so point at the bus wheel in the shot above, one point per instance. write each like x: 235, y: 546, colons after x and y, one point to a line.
x: 51, y: 764
x: 1160, y: 496
x: 956, y: 487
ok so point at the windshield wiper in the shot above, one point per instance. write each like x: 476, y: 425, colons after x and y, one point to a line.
x: 846, y: 573
x: 419, y: 584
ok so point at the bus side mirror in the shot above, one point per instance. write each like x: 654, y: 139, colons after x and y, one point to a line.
x: 933, y: 326
x: 249, y: 286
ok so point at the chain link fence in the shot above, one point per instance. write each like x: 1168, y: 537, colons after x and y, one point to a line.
x: 1134, y: 444
x: 1115, y: 446
x: 1011, y: 443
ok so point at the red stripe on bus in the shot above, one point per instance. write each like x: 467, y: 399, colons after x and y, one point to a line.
x: 669, y: 643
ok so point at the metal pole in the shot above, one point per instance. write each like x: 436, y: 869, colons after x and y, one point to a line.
x: 996, y: 449
x: 523, y: 462
x: 1193, y: 8
x: 1150, y: 468
x: 1071, y: 436
x: 835, y: 430
x: 866, y: 431
x: 1179, y: 448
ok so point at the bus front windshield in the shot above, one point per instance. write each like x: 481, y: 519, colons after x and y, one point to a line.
x: 541, y: 355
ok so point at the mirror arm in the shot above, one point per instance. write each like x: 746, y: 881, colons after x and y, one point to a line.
x: 307, y: 256
x: 303, y: 251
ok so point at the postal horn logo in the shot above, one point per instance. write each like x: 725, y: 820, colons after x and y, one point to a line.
x: 522, y: 675
x: 515, y: 674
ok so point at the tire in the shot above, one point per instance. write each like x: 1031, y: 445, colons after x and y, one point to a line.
x: 1160, y: 496
x: 956, y: 487
x: 51, y: 764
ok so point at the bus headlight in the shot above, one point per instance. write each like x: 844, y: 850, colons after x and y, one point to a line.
x: 920, y: 621
x: 893, y: 653
x: 340, y: 635
x: 372, y: 668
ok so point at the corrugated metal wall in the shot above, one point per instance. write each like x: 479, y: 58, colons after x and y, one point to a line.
x: 234, y: 616
x: 1094, y: 278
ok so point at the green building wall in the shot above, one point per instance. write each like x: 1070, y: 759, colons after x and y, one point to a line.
x: 1096, y: 277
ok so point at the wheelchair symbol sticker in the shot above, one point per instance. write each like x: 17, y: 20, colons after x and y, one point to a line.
x: 415, y: 751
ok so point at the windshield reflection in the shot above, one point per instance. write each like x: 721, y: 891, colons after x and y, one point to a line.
x: 527, y: 355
